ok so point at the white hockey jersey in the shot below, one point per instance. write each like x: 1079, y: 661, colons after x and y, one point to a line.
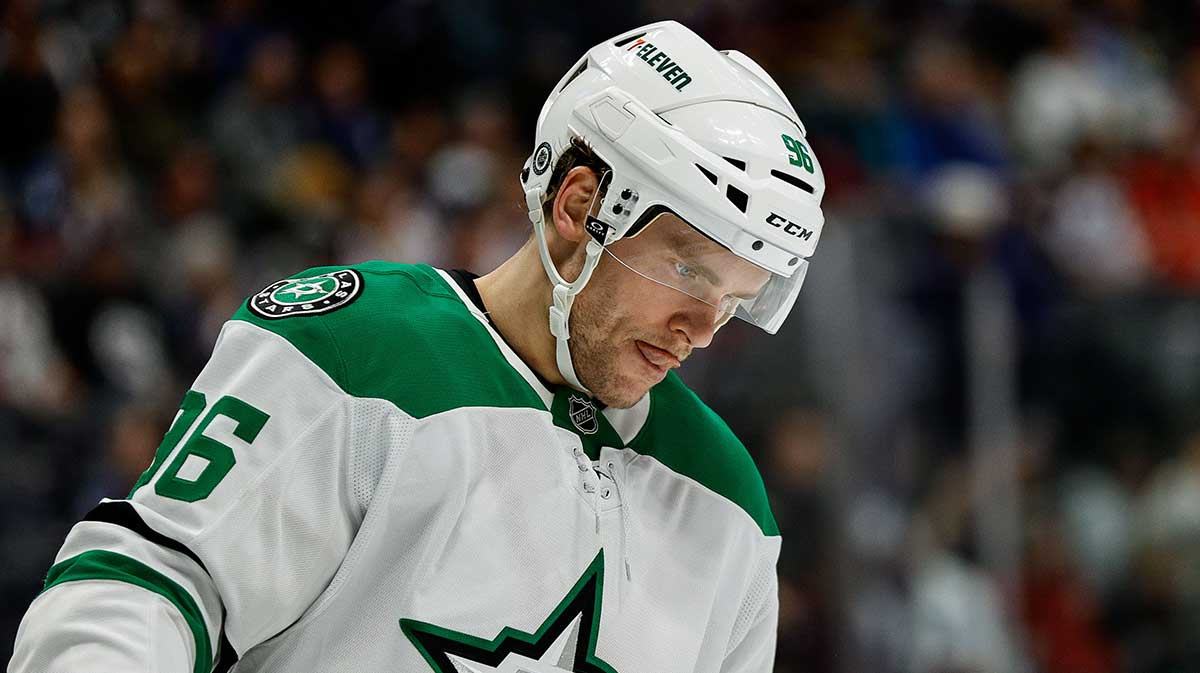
x: 366, y: 478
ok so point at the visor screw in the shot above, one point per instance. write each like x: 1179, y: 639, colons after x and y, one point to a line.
x: 617, y: 209
x: 625, y: 193
x: 792, y: 261
x: 757, y: 245
x: 525, y: 174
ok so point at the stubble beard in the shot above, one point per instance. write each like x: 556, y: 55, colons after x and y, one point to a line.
x: 596, y: 348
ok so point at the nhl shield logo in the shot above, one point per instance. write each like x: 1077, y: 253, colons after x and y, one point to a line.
x: 583, y: 414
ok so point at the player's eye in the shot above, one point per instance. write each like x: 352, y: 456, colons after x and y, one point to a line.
x: 684, y: 271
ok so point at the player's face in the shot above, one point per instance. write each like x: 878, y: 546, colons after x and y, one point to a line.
x: 628, y: 331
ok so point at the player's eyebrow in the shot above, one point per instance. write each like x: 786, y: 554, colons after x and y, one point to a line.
x: 687, y: 244
x: 687, y: 249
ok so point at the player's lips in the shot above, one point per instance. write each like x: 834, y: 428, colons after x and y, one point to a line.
x: 658, y: 357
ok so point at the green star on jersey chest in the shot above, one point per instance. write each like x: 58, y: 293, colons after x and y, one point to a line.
x: 313, y: 295
x: 564, y: 643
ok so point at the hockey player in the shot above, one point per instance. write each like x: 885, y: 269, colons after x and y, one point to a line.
x: 396, y: 468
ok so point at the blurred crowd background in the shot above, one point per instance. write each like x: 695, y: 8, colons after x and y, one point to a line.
x: 980, y: 427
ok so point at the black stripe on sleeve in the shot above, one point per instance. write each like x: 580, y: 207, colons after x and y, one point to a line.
x: 121, y: 513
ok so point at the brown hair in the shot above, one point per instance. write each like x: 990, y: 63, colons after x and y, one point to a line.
x: 578, y: 153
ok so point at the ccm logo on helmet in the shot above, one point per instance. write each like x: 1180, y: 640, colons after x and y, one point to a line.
x: 789, y: 227
x: 659, y: 60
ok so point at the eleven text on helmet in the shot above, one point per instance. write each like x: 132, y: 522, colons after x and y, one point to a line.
x: 671, y: 71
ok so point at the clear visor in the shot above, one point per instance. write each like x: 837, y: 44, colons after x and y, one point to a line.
x: 673, y: 254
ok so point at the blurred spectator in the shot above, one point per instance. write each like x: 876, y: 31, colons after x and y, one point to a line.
x: 1164, y: 189
x: 344, y: 119
x: 949, y: 117
x: 139, y: 68
x: 418, y: 131
x: 1093, y: 233
x: 960, y: 620
x: 127, y: 449
x: 259, y: 120
x: 462, y: 176
x: 878, y: 604
x: 1090, y: 81
x: 1062, y: 614
x: 34, y: 378
x: 796, y: 465
x: 1169, y: 519
x: 391, y: 221
x: 965, y: 211
x: 1098, y: 525
x: 24, y: 76
x: 80, y: 192
x: 200, y: 289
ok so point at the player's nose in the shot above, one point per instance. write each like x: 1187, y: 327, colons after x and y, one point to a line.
x: 698, y: 322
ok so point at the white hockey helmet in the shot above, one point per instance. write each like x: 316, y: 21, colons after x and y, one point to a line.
x: 684, y: 128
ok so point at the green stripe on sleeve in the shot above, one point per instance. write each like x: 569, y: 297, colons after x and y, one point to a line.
x: 107, y: 565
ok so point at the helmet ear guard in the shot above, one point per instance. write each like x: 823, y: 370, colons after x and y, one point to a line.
x: 564, y: 292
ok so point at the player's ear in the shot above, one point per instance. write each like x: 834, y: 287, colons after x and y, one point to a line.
x: 572, y: 202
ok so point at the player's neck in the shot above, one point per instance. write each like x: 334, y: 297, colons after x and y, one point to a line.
x: 517, y: 297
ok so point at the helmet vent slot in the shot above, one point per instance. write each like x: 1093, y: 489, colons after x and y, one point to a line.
x: 627, y: 39
x: 737, y: 197
x: 712, y: 177
x: 578, y: 71
x: 793, y: 180
x: 737, y: 163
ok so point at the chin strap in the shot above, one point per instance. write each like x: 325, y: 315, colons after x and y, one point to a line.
x: 563, y: 292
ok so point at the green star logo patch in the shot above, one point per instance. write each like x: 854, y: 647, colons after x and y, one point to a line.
x: 564, y: 643
x: 307, y: 296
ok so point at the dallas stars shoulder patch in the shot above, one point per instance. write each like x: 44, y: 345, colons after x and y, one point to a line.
x: 564, y: 643
x: 307, y: 296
